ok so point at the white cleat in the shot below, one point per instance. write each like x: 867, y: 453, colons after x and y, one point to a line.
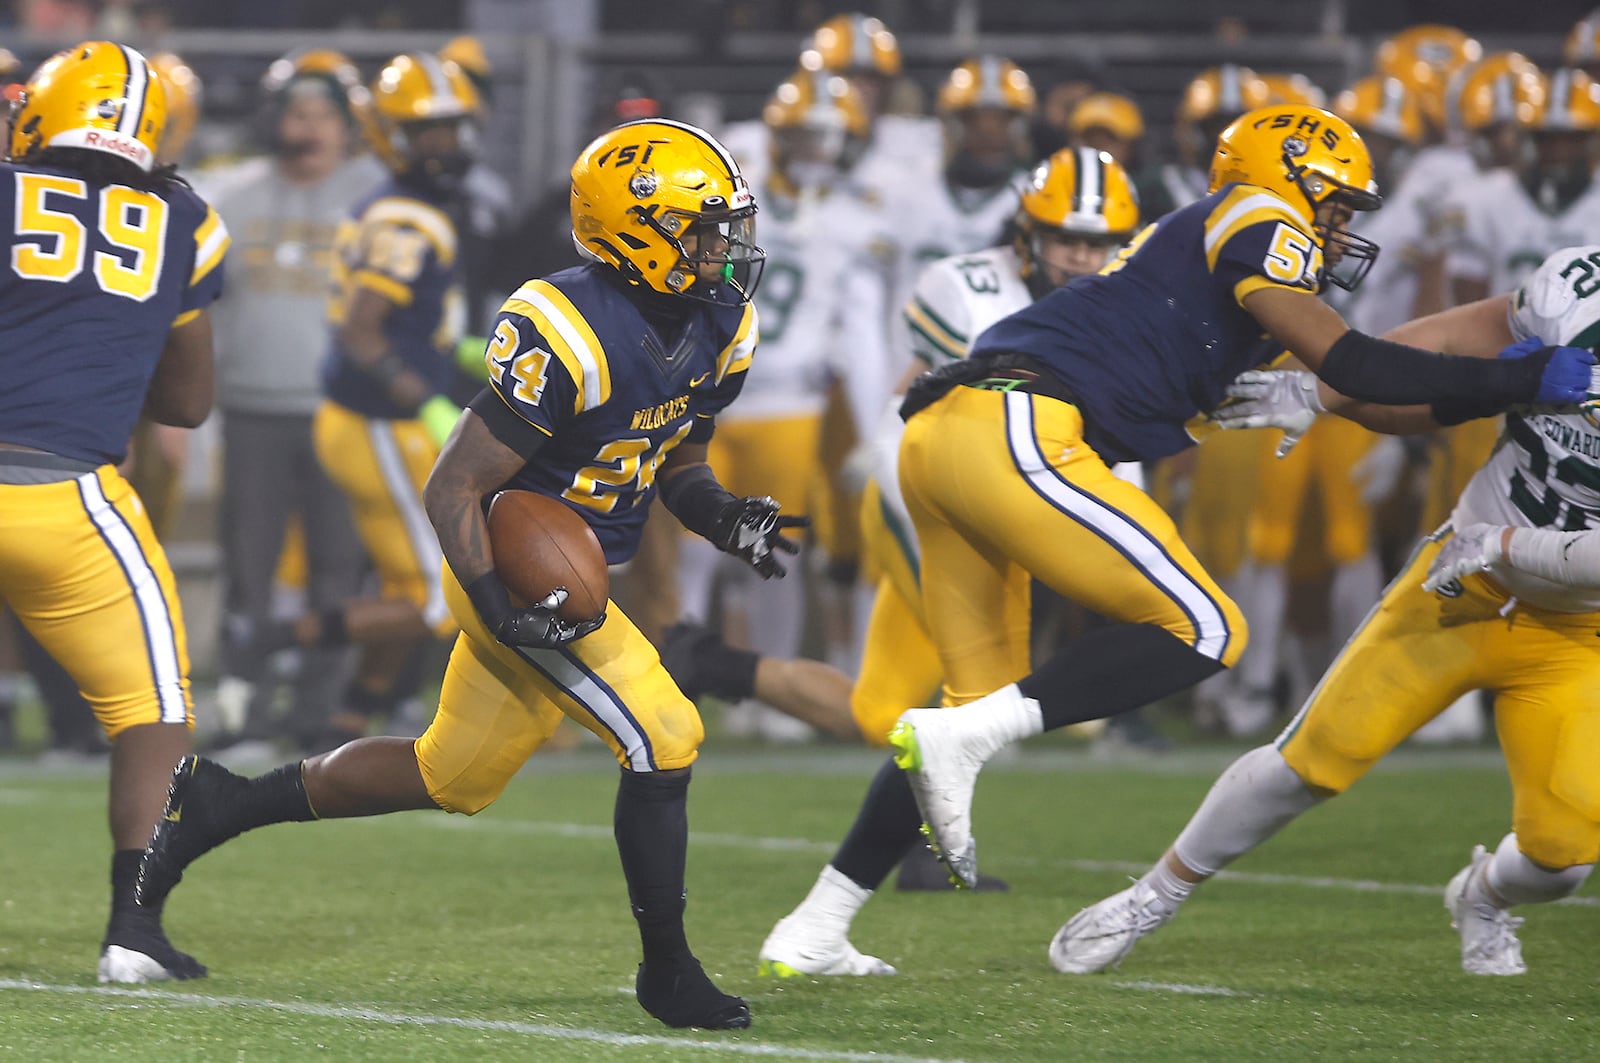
x: 930, y: 747
x: 1489, y: 942
x: 794, y: 950
x: 124, y: 965
x: 1100, y: 936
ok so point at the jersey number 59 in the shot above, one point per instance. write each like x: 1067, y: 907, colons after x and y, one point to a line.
x: 53, y: 243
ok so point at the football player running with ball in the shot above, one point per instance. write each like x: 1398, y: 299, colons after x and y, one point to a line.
x: 1005, y: 466
x: 604, y: 380
x: 1505, y: 597
x: 114, y: 263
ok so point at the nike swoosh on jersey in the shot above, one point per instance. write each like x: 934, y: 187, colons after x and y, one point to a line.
x: 697, y: 381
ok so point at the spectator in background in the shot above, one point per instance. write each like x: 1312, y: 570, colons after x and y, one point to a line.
x: 1063, y: 89
x: 284, y: 209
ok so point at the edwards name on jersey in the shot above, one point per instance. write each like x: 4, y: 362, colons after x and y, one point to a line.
x: 99, y: 274
x: 1156, y: 337
x: 573, y: 357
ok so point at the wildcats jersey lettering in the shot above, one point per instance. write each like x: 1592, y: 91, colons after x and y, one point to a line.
x: 573, y: 357
x: 405, y: 249
x: 1158, y: 335
x: 97, y: 275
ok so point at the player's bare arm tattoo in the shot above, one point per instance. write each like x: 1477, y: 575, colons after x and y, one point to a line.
x: 472, y: 465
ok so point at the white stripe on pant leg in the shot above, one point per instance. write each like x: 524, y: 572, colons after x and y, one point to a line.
x: 160, y: 635
x: 419, y: 532
x: 1141, y: 548
x: 596, y: 700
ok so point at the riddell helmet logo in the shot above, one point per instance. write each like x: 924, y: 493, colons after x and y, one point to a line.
x: 123, y: 146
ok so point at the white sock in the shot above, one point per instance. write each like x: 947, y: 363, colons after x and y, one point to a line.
x: 833, y: 902
x: 1355, y: 590
x: 1168, y: 888
x: 1263, y: 605
x: 998, y: 719
x: 1511, y: 879
x: 1255, y: 798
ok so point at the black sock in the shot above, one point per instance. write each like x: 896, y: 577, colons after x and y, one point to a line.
x: 364, y: 701
x: 651, y: 825
x: 331, y: 628
x: 124, y: 877
x: 1111, y: 670
x: 729, y: 673
x: 885, y: 829
x: 279, y: 796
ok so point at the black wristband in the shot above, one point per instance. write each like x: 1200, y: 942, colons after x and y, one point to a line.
x: 697, y: 500
x: 1393, y: 374
x: 491, y: 599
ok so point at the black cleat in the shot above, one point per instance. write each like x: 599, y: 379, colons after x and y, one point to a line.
x: 923, y: 872
x: 679, y: 993
x: 137, y: 950
x: 187, y: 829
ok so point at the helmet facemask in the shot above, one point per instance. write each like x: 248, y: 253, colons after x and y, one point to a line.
x: 441, y: 171
x: 1347, y: 258
x: 718, y: 260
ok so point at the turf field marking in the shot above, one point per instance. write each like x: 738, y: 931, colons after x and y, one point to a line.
x: 1184, y: 987
x: 531, y: 1029
x: 804, y: 845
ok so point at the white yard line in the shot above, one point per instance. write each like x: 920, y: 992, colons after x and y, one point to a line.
x: 1185, y: 988
x: 405, y: 1018
x: 803, y: 845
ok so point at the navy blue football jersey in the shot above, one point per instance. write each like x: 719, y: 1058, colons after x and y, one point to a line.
x: 1155, y: 339
x: 573, y: 356
x: 405, y: 248
x: 98, y: 275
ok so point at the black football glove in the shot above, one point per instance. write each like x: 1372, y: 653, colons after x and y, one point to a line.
x: 751, y: 529
x: 531, y: 626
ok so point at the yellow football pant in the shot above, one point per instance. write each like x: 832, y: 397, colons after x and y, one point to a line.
x: 1003, y: 486
x: 900, y: 664
x: 1458, y: 452
x: 1221, y: 496
x: 1418, y: 652
x: 1322, y: 462
x: 498, y: 705
x: 81, y: 568
x: 774, y: 456
x: 382, y: 467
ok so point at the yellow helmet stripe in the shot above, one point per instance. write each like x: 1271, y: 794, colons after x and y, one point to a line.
x: 134, y: 87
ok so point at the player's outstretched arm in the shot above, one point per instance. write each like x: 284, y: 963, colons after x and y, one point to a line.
x: 1384, y: 371
x: 182, y: 389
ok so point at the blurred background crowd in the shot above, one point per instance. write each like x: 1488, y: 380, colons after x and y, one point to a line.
x: 877, y: 139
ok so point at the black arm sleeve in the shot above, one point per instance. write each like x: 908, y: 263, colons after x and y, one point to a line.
x: 1393, y: 374
x: 698, y: 501
x: 505, y: 425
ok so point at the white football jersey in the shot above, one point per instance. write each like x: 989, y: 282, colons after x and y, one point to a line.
x: 1388, y: 293
x: 1426, y: 192
x: 821, y: 299
x: 1505, y: 236
x: 1545, y: 470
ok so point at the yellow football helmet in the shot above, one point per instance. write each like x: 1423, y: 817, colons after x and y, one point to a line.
x: 1111, y: 111
x: 184, y: 93
x: 1505, y: 87
x: 1571, y: 104
x: 1294, y: 88
x: 1078, y: 193
x: 340, y: 74
x: 1383, y: 105
x: 852, y: 44
x: 818, y: 122
x: 1425, y: 57
x: 987, y: 81
x: 414, y: 88
x: 1307, y: 157
x: 98, y: 96
x: 467, y: 53
x: 665, y: 204
x: 1211, y: 100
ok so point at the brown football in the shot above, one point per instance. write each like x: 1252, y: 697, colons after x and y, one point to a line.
x: 540, y: 544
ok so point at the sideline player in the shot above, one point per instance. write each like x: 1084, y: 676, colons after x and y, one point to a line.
x: 584, y: 405
x: 1510, y: 603
x: 103, y: 312
x: 1005, y: 470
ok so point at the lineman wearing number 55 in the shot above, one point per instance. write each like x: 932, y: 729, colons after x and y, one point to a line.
x: 1004, y: 464
x: 1505, y: 597
x: 603, y: 380
x: 113, y: 263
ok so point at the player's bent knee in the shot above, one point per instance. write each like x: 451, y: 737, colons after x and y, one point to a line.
x: 116, y: 719
x: 1568, y: 853
x: 1325, y: 771
x: 464, y: 795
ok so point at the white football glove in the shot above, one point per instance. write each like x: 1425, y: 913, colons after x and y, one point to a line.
x: 1267, y: 398
x: 1379, y: 469
x: 1475, y: 548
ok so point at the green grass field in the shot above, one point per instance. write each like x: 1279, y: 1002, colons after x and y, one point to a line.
x: 508, y: 936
